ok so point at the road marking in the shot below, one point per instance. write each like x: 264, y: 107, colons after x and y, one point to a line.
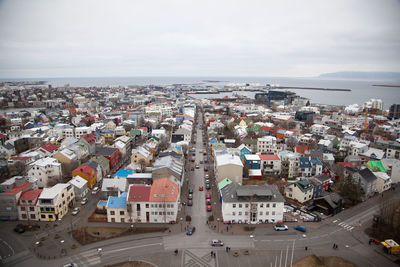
x: 335, y: 221
x: 351, y: 228
x: 341, y: 223
x: 122, y: 249
x: 12, y: 250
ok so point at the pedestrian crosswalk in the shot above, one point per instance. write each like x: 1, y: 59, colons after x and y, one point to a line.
x: 87, y: 258
x: 345, y: 226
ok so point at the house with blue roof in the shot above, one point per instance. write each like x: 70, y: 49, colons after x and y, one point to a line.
x: 122, y: 173
x: 244, y: 150
x: 309, y: 166
x: 117, y: 208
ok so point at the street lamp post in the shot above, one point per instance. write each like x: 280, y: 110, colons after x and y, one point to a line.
x: 218, y: 224
x: 181, y: 223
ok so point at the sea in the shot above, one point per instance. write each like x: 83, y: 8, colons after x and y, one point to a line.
x: 361, y: 90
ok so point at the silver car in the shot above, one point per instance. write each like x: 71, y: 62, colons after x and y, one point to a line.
x: 75, y: 211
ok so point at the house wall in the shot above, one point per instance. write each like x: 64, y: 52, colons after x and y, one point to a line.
x: 117, y: 215
x: 59, y: 208
x: 28, y: 212
x: 230, y: 171
x: 240, y: 212
x: 292, y: 191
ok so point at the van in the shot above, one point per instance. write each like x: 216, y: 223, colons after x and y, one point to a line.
x: 95, y: 190
x: 280, y: 227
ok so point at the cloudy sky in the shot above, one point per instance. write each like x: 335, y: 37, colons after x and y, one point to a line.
x: 76, y: 38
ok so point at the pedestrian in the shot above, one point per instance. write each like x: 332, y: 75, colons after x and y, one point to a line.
x: 306, y: 248
x: 334, y: 245
x: 212, y: 253
x: 229, y: 248
x: 227, y: 228
x: 215, y: 255
x: 226, y: 249
x: 369, y: 242
x: 207, y: 222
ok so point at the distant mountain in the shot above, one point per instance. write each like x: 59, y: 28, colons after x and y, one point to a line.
x: 362, y: 75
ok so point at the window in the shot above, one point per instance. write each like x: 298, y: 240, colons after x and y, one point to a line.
x: 261, y: 213
x: 240, y: 213
x: 22, y: 208
x: 121, y: 212
x: 147, y: 206
x: 50, y: 216
x: 160, y: 205
x: 152, y: 213
x: 32, y: 208
x: 233, y: 205
x: 267, y: 206
x: 43, y: 216
x: 274, y: 205
x: 240, y: 205
x: 261, y: 205
x: 233, y: 213
x: 112, y: 212
x: 267, y: 213
x: 23, y: 216
x: 247, y: 205
x: 273, y: 213
x: 246, y: 213
x: 33, y: 216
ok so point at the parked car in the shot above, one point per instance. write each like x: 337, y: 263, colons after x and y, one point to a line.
x: 216, y: 242
x: 95, y: 190
x: 190, y: 230
x: 190, y: 191
x: 201, y: 162
x: 70, y: 265
x: 209, y: 208
x: 190, y: 202
x: 75, y: 211
x: 19, y: 229
x: 208, y: 187
x: 280, y: 227
x: 190, y: 196
x: 300, y: 228
x: 200, y: 188
x: 206, y: 176
x: 205, y: 169
x: 208, y: 201
x: 197, y: 166
x: 84, y: 201
x: 208, y: 196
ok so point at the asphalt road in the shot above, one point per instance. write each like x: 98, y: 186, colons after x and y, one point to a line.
x: 266, y: 247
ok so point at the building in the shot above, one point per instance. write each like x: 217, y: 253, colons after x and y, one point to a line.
x: 45, y: 170
x: 383, y: 182
x: 157, y: 203
x: 141, y: 154
x: 170, y: 167
x: 228, y: 166
x: 88, y: 173
x: 11, y: 190
x: 48, y: 149
x: 251, y: 204
x: 80, y: 187
x: 319, y: 129
x: 27, y: 209
x: 54, y: 202
x: 299, y: 190
x: 253, y: 161
x: 112, y: 154
x: 117, y: 209
x: 270, y: 164
x: 114, y: 187
x: 266, y: 144
x: 289, y: 163
x: 310, y: 167
x: 394, y: 112
x: 367, y: 181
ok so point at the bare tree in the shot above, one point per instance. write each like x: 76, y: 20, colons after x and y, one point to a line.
x: 17, y: 169
x: 291, y: 142
x: 143, y: 164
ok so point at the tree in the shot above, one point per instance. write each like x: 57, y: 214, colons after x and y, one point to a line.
x: 163, y: 143
x: 142, y: 164
x: 17, y: 169
x: 350, y: 190
x: 185, y: 150
x: 291, y: 142
x: 246, y: 171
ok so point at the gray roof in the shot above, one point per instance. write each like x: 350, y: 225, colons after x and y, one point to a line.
x: 235, y: 192
x: 106, y: 151
x: 367, y: 175
x: 170, y: 162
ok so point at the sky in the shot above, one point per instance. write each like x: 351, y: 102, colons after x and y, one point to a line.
x: 103, y: 38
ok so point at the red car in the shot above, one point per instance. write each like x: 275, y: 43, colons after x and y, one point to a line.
x: 208, y: 201
x: 209, y: 208
x: 208, y: 196
x: 200, y: 188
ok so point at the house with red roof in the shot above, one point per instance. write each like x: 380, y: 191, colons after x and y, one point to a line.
x: 270, y: 164
x: 87, y: 172
x: 302, y: 150
x: 48, y: 149
x: 157, y: 203
x: 27, y: 209
x: 10, y: 192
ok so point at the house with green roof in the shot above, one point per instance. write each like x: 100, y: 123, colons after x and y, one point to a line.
x: 300, y: 190
x: 104, y: 164
x: 135, y: 133
x: 224, y: 183
x: 376, y: 166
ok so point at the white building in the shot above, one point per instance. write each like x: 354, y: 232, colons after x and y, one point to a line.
x: 270, y: 164
x: 228, y: 166
x: 79, y: 131
x: 53, y: 202
x: 45, y: 170
x: 27, y: 208
x: 383, y: 181
x: 266, y: 144
x: 373, y: 104
x: 319, y: 129
x: 251, y: 204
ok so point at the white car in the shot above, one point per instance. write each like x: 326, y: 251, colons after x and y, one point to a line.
x: 216, y: 242
x: 95, y: 190
x: 84, y: 201
x: 280, y: 227
x: 75, y: 211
